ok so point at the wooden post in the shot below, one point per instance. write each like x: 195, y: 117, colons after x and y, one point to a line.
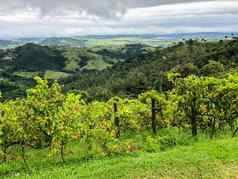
x: 235, y: 132
x: 4, y: 144
x: 194, y: 118
x: 116, y: 121
x: 213, y: 130
x: 23, y: 153
x: 62, y: 151
x: 153, y: 114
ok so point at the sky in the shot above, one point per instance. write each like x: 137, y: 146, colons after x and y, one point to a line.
x: 48, y: 18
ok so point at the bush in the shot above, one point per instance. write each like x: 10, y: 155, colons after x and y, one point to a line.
x: 152, y: 144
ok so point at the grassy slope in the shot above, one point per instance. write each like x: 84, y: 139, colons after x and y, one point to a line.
x: 205, y: 159
x: 98, y: 64
x: 55, y: 75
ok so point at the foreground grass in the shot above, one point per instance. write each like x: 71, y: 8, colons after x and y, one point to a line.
x: 202, y: 159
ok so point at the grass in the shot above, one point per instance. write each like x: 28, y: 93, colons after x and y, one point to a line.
x: 52, y: 75
x: 201, y: 158
x: 121, y: 41
x: 55, y: 75
x: 98, y: 64
x: 73, y: 59
x: 25, y: 74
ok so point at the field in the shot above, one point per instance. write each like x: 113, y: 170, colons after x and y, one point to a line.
x: 113, y: 40
x: 189, y: 158
x: 121, y: 41
x: 55, y: 75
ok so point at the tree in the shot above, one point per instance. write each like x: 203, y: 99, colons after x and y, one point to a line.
x: 16, y: 129
x: 193, y: 91
x: 227, y: 97
x: 213, y: 68
x: 67, y: 124
x: 187, y: 69
x: 43, y: 102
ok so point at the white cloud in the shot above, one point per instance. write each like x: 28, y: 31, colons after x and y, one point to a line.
x: 137, y: 18
x: 104, y: 8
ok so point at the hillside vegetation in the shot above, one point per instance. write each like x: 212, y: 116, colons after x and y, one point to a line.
x: 154, y: 112
x: 105, y: 72
x: 148, y: 70
x: 19, y: 66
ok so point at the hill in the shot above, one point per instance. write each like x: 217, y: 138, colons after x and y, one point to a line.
x: 18, y: 66
x: 148, y: 71
x: 105, y: 72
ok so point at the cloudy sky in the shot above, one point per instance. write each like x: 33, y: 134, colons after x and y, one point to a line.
x: 34, y: 18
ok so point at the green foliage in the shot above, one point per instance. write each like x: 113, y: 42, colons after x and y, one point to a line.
x: 213, y: 68
x: 147, y: 70
x: 152, y: 144
x: 38, y: 58
x: 105, y: 72
x: 187, y: 69
x: 49, y: 118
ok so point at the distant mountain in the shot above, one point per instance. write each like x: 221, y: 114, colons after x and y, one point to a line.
x: 115, y: 40
x: 8, y: 44
x: 202, y: 35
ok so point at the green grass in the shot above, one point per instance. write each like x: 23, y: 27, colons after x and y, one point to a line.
x: 191, y: 158
x: 73, y: 59
x: 26, y: 74
x: 121, y: 41
x: 97, y: 64
x: 52, y: 75
x: 55, y: 75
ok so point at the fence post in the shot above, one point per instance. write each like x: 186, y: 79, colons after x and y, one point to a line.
x: 116, y: 121
x: 153, y: 112
x: 234, y: 134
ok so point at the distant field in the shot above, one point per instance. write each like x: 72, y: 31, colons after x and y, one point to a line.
x: 98, y: 64
x: 120, y: 41
x: 52, y: 75
x: 115, y: 40
x: 55, y: 75
x: 25, y: 74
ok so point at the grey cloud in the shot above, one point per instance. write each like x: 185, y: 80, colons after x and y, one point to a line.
x: 209, y: 16
x: 101, y: 8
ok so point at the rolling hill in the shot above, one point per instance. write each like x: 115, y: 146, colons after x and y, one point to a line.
x: 105, y: 72
x: 18, y: 66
